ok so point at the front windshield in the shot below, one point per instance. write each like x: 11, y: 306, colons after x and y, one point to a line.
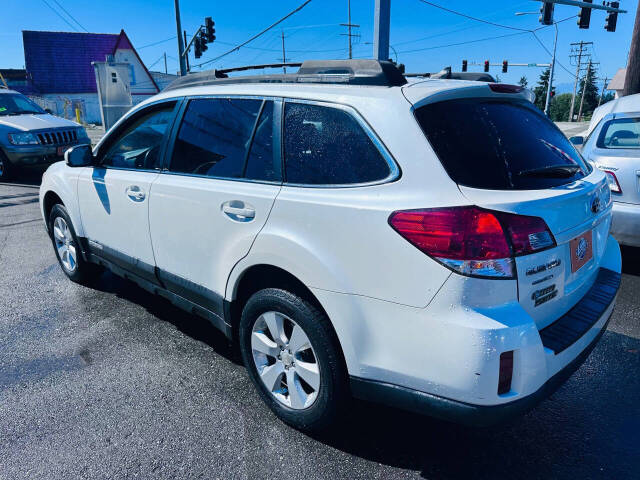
x: 17, y: 104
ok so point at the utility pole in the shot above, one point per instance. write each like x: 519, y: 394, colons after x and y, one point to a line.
x: 165, y: 63
x: 349, y: 25
x: 581, y: 45
x: 632, y: 77
x: 553, y: 67
x: 181, y: 56
x: 584, y: 88
x: 604, y: 85
x: 186, y: 54
x: 381, y: 29
x: 284, y: 56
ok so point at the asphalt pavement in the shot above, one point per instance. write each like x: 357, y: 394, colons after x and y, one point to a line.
x: 112, y: 382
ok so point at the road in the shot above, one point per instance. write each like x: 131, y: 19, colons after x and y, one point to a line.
x: 111, y: 382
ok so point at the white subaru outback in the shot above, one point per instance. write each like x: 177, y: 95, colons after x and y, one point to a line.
x: 437, y: 245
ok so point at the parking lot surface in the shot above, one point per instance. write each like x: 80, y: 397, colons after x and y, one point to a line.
x: 112, y: 382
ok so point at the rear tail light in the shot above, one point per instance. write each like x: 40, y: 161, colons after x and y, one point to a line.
x: 471, y: 240
x: 506, y: 372
x: 614, y: 185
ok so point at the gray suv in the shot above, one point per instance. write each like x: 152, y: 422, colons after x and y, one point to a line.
x: 31, y: 136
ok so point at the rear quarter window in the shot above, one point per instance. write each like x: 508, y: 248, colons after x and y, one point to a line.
x: 327, y: 146
x: 499, y: 145
x: 621, y: 133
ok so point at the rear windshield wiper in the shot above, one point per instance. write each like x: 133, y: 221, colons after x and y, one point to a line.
x: 551, y: 171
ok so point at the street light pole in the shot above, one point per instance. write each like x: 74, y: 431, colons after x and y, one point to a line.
x: 381, y: 29
x: 553, y: 67
x: 183, y: 63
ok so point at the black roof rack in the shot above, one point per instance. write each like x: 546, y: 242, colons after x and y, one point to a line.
x: 348, y: 72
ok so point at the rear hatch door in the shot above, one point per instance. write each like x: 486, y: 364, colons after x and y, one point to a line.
x: 505, y: 155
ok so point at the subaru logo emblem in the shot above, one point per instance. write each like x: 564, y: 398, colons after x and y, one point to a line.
x: 595, y: 204
x: 581, y: 249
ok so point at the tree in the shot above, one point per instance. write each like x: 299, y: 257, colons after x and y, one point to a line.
x: 559, y: 108
x: 589, y: 89
x: 523, y: 82
x: 541, y: 89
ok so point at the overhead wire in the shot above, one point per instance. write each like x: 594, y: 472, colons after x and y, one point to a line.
x: 70, y: 16
x: 238, y: 47
x: 60, y: 15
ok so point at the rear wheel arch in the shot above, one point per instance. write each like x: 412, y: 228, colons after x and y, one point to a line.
x: 259, y: 277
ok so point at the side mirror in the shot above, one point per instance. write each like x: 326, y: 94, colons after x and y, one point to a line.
x: 49, y: 111
x: 577, y: 141
x: 79, y: 156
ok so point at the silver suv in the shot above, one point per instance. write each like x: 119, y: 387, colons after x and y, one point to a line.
x: 30, y: 135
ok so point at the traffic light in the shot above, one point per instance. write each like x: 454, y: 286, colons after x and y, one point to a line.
x: 464, y: 65
x: 486, y: 65
x: 546, y: 13
x: 584, y: 17
x: 553, y: 93
x: 197, y: 47
x: 203, y: 41
x: 210, y: 30
x: 612, y: 18
x: 505, y: 66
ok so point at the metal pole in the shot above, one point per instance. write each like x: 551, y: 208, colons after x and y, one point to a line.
x: 165, y: 63
x: 381, y: 29
x: 584, y: 88
x: 183, y: 64
x: 553, y: 66
x: 604, y: 85
x: 349, y: 29
x: 186, y: 53
x: 575, y: 83
x: 284, y: 57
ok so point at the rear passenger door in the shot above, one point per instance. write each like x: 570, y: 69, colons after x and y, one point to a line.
x: 215, y: 194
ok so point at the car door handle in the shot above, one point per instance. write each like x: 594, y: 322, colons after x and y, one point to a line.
x: 135, y: 193
x: 238, y: 211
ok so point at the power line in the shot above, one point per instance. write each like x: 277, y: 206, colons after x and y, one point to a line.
x: 235, y: 49
x: 156, y: 43
x: 70, y: 16
x: 59, y: 15
x: 464, y: 43
x: 474, y: 18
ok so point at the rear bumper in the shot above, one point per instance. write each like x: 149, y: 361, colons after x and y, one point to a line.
x: 571, y: 338
x: 625, y: 223
x: 461, y: 412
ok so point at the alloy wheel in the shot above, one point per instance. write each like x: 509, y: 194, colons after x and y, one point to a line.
x: 285, y: 360
x: 65, y: 245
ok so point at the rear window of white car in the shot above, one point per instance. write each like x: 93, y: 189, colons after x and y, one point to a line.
x: 499, y: 145
x: 621, y: 133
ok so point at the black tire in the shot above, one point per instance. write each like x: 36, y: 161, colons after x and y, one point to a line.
x: 333, y: 395
x: 6, y: 168
x: 84, y: 272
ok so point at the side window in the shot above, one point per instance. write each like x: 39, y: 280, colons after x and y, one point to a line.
x: 138, y: 145
x: 262, y: 163
x: 214, y: 137
x: 327, y: 146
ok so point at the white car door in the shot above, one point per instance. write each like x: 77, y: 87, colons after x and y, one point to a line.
x: 216, y: 194
x: 114, y: 195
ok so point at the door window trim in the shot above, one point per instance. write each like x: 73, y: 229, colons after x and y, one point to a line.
x: 394, y: 169
x: 277, y: 138
x: 126, y: 122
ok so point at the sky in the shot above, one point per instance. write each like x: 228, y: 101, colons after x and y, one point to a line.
x: 425, y: 38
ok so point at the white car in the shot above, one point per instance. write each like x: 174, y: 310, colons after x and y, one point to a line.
x: 613, y: 145
x: 437, y: 245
